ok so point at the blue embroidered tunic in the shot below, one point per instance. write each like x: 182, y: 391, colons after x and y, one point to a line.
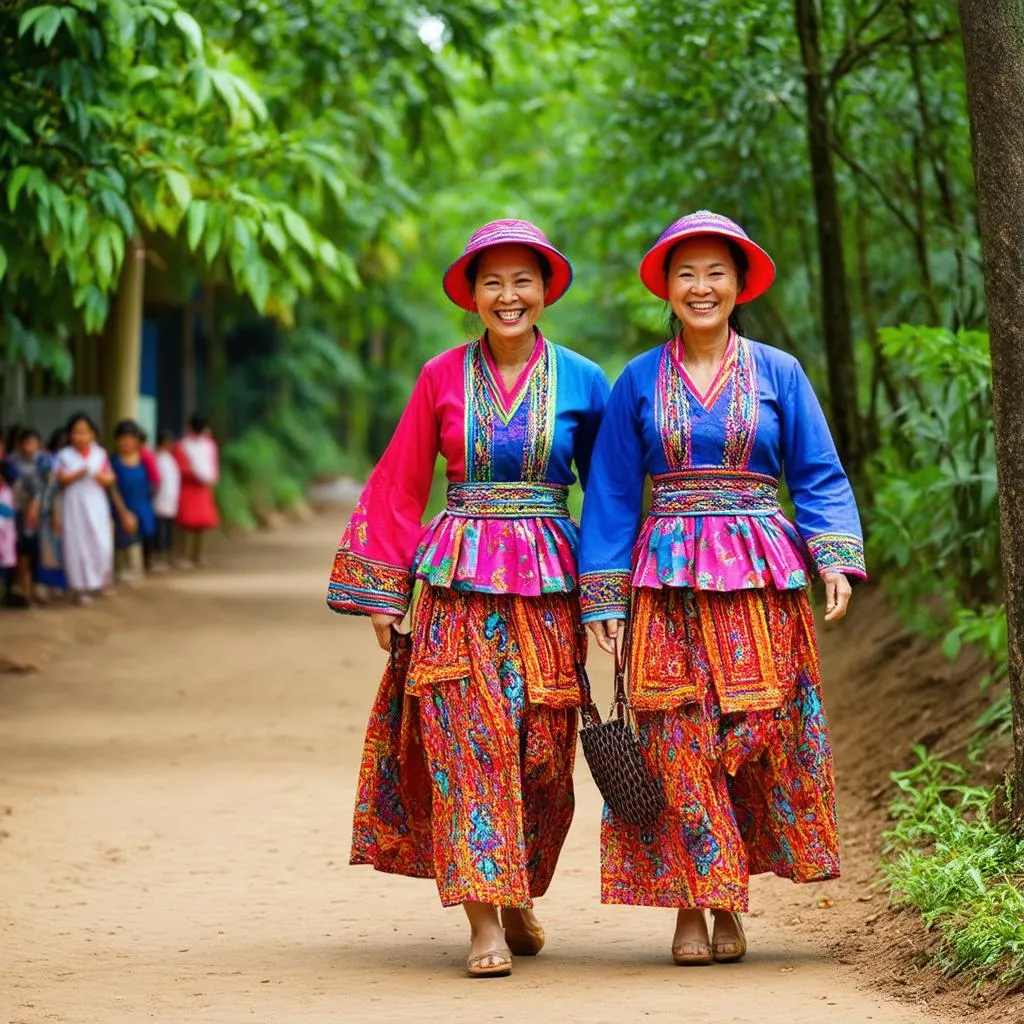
x: 715, y: 461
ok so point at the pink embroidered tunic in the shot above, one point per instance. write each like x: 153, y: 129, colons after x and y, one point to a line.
x: 510, y: 460
x: 715, y: 461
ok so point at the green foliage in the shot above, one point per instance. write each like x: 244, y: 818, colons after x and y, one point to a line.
x: 949, y: 859
x: 934, y: 516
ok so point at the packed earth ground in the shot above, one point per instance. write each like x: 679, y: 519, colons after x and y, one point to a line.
x: 176, y: 783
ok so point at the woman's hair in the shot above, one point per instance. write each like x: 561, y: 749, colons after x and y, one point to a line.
x: 197, y: 423
x: 57, y: 440
x: 165, y: 437
x: 739, y: 257
x: 26, y: 434
x: 81, y: 417
x: 473, y: 267
x: 127, y: 428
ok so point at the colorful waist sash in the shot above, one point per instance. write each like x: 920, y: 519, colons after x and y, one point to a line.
x: 508, y: 500
x: 714, y: 492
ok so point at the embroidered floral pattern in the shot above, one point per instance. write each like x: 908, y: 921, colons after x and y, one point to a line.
x: 675, y: 396
x: 699, y: 492
x: 741, y: 421
x: 361, y: 586
x: 486, y: 413
x: 838, y: 552
x: 747, y: 793
x: 604, y: 595
x: 672, y: 412
x: 508, y: 500
x: 471, y: 784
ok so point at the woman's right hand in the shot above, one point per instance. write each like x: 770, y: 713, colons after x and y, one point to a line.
x: 605, y: 631
x: 382, y: 625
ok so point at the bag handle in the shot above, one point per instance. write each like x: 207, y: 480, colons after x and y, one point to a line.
x: 588, y: 709
x: 399, y: 642
x: 620, y: 701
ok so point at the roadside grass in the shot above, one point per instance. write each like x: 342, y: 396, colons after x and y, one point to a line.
x: 949, y: 857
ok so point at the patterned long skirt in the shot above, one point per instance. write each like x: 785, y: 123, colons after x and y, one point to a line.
x: 466, y: 774
x: 748, y: 792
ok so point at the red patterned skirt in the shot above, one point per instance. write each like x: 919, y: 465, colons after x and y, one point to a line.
x: 466, y: 774
x: 749, y: 791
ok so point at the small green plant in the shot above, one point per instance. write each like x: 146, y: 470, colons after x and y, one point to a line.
x: 947, y: 857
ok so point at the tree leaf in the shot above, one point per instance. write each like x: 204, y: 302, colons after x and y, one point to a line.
x: 3, y: 262
x: 952, y: 644
x: 15, y: 183
x: 274, y: 234
x: 298, y: 228
x: 48, y: 25
x: 180, y: 187
x: 189, y: 28
x: 195, y: 219
x: 251, y: 97
x: 224, y: 84
x: 30, y: 17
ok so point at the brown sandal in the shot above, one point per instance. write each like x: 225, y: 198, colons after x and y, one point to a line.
x: 475, y: 968
x: 732, y: 950
x: 693, y: 952
x: 521, y: 938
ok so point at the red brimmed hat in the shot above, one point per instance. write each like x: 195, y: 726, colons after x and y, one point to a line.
x: 506, y: 232
x: 760, y: 272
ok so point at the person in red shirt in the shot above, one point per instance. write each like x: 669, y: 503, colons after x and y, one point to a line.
x: 199, y: 460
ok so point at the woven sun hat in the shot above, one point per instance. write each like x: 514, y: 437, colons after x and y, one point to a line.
x: 506, y: 232
x: 760, y: 273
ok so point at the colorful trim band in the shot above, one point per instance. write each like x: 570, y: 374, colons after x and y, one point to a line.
x: 715, y: 492
x: 361, y: 586
x: 838, y: 552
x: 604, y: 595
x: 508, y: 500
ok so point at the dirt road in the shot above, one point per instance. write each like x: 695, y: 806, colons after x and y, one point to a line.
x: 179, y: 792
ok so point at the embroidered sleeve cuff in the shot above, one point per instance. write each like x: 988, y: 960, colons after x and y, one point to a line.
x: 838, y: 552
x: 360, y: 586
x: 604, y: 595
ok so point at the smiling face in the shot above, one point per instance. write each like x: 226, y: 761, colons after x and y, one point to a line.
x: 509, y: 291
x: 703, y: 283
x: 82, y: 435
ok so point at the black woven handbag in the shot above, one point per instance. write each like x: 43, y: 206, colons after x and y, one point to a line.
x: 613, y: 752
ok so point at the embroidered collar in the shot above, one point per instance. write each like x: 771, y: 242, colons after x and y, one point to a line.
x: 508, y: 401
x: 721, y: 381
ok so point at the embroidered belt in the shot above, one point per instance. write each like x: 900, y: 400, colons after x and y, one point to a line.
x: 714, y: 492
x: 508, y: 500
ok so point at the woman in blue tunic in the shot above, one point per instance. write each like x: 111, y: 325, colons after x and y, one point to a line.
x: 713, y: 581
x: 135, y: 521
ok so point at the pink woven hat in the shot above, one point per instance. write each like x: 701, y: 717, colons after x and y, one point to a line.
x: 760, y: 273
x: 507, y: 232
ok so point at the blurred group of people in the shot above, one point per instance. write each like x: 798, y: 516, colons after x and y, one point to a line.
x: 75, y: 518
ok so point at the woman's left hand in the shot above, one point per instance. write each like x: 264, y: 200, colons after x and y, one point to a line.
x: 837, y: 595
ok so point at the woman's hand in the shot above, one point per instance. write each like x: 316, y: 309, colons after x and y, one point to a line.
x: 605, y: 631
x: 129, y: 522
x: 68, y: 477
x: 837, y: 595
x: 382, y: 625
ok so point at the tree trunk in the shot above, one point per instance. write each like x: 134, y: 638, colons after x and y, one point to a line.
x: 993, y: 33
x: 835, y: 305
x: 122, y: 353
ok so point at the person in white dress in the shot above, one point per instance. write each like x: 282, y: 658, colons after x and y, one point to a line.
x: 84, y: 474
x: 168, y: 494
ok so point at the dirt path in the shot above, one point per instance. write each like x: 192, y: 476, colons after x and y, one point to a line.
x: 180, y: 791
